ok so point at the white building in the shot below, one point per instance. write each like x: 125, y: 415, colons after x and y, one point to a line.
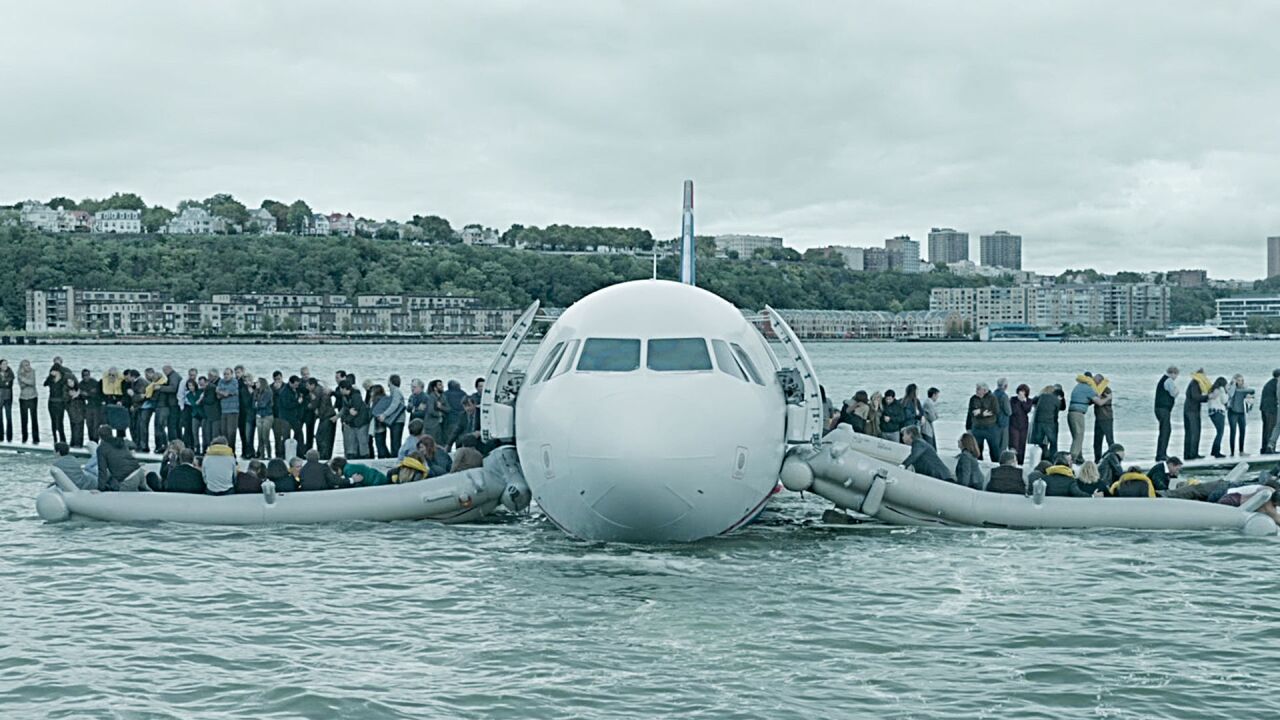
x: 319, y: 225
x: 41, y: 216
x: 195, y: 220
x: 1123, y: 307
x: 477, y: 235
x: 340, y: 224
x: 904, y: 254
x: 117, y: 221
x: 745, y: 245
x: 1234, y: 312
x: 261, y: 221
x: 854, y: 257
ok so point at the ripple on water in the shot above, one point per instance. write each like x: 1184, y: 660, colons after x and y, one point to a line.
x: 783, y: 620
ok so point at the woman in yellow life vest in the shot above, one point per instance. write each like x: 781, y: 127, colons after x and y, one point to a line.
x: 1134, y: 483
x: 112, y: 387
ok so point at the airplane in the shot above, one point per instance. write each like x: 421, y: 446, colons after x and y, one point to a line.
x: 653, y: 410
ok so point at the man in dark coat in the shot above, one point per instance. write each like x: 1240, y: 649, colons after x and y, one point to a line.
x: 1269, y: 405
x: 923, y: 459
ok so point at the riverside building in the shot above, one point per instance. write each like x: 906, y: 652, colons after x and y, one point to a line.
x: 1123, y: 307
x: 1273, y: 256
x: 120, y: 312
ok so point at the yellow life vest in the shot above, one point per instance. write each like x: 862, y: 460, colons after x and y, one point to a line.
x: 1203, y: 381
x: 1061, y: 470
x: 415, y: 469
x: 112, y: 385
x: 1098, y: 387
x: 1134, y: 476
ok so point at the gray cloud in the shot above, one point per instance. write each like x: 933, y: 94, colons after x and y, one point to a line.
x: 1132, y: 135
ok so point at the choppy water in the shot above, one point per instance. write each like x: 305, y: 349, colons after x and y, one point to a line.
x: 782, y: 620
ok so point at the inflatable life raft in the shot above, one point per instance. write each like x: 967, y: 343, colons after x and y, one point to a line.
x: 864, y: 474
x: 454, y: 498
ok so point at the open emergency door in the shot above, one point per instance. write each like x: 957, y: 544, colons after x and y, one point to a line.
x: 502, y: 385
x: 805, y: 422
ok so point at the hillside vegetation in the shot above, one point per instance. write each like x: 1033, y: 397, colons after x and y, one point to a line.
x: 194, y: 267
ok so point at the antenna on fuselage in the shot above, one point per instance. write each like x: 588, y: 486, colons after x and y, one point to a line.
x: 687, y: 261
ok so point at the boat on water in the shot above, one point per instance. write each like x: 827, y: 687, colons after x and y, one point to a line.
x: 1198, y: 333
x: 863, y: 474
x: 1012, y: 332
x: 459, y: 497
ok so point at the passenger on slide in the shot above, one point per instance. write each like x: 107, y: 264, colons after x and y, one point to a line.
x: 357, y: 475
x: 1008, y: 477
x: 1134, y: 483
x: 968, y: 468
x: 923, y: 459
x: 1089, y: 482
x: 1163, y: 472
x: 1059, y: 478
x: 219, y: 468
x: 185, y: 477
x: 1111, y: 467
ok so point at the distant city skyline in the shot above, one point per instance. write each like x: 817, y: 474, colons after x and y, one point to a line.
x: 1058, y: 122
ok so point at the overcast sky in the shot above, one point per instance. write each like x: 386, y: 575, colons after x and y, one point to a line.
x: 1113, y: 135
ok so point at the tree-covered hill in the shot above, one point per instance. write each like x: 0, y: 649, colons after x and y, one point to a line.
x: 194, y: 267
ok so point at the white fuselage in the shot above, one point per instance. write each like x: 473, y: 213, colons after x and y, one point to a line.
x: 634, y: 440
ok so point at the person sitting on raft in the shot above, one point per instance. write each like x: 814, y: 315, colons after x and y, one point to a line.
x: 923, y: 459
x: 1007, y: 478
x: 410, y: 469
x: 185, y: 476
x: 249, y: 480
x: 357, y: 475
x: 468, y: 458
x: 1111, y: 466
x: 315, y: 475
x: 72, y: 467
x: 1163, y: 473
x: 1089, y: 482
x: 968, y: 467
x: 1059, y: 478
x: 219, y: 468
x: 439, y: 462
x: 1134, y: 483
x: 117, y: 468
x: 278, y: 473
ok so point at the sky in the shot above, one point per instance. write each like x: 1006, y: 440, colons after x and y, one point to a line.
x: 1134, y: 135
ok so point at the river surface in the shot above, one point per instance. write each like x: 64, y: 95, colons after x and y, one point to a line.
x: 512, y: 619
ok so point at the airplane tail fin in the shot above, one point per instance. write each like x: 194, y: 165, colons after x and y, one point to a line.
x: 688, y: 263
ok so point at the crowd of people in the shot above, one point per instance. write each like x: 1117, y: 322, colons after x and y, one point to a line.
x: 1004, y: 425
x: 152, y: 408
x: 201, y: 425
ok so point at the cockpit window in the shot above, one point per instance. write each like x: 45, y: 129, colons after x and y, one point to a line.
x: 609, y: 355
x: 552, y: 358
x: 725, y: 360
x: 747, y: 365
x: 567, y: 361
x: 679, y: 355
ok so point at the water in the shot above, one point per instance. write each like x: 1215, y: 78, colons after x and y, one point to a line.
x: 512, y: 619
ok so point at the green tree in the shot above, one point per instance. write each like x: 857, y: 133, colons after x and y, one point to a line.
x: 155, y: 217
x: 64, y: 202
x: 228, y: 208
x: 122, y: 201
x: 298, y: 218
x: 435, y: 230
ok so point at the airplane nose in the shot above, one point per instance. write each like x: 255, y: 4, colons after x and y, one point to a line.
x: 634, y: 455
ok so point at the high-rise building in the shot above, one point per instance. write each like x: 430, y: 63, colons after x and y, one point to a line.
x: 1001, y: 249
x: 876, y: 260
x: 904, y: 254
x: 1273, y: 256
x: 946, y: 245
